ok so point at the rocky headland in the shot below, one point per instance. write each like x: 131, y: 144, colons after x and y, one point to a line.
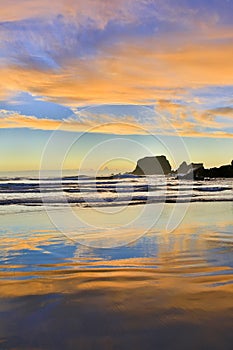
x: 159, y: 165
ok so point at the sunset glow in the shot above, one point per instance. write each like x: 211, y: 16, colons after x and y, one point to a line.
x: 57, y: 64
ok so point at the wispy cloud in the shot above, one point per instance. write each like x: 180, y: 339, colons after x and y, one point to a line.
x: 125, y: 74
x: 98, y: 12
x: 111, y: 51
x: 83, y: 123
x: 220, y: 111
x: 80, y: 53
x: 169, y: 119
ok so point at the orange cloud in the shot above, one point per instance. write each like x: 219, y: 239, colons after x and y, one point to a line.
x: 96, y: 124
x: 23, y: 9
x: 186, y: 117
x: 221, y: 111
x: 99, y: 11
x: 137, y: 73
x: 134, y: 70
x: 128, y: 125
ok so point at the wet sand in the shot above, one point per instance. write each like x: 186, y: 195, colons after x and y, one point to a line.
x: 167, y: 290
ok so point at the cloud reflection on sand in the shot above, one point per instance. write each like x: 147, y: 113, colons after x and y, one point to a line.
x: 200, y: 245
x: 165, y: 290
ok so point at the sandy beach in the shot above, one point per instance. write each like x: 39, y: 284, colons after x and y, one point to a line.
x: 116, y: 175
x: 166, y: 290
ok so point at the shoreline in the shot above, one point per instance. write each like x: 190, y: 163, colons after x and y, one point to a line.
x: 166, y: 285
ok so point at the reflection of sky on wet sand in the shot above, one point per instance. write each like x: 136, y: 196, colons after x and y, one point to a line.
x: 165, y: 290
x: 203, y: 237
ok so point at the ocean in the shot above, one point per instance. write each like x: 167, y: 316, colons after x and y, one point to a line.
x: 116, y: 263
x: 115, y: 190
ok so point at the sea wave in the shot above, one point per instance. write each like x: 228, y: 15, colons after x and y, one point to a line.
x: 110, y: 190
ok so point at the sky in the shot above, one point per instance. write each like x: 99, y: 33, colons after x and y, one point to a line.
x: 97, y: 84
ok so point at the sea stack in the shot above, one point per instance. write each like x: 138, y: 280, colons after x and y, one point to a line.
x: 196, y: 171
x: 158, y: 165
x: 191, y: 171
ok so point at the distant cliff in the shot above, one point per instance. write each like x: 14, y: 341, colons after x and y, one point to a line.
x: 190, y: 171
x: 185, y: 168
x: 158, y: 165
x: 197, y: 171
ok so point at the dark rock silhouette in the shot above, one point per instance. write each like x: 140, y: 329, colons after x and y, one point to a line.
x: 190, y: 171
x: 158, y: 165
x: 197, y: 171
x: 184, y: 168
x: 222, y: 171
